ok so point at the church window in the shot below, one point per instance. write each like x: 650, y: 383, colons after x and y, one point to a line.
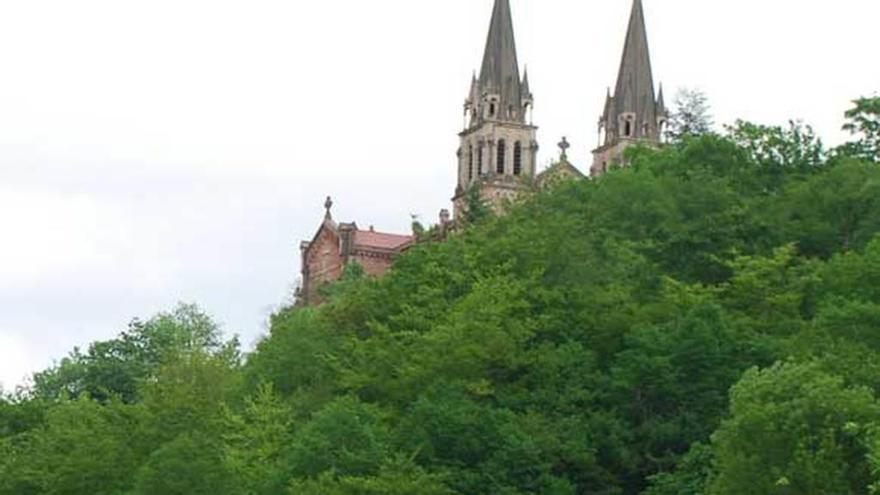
x: 502, y: 150
x: 471, y: 162
x: 517, y: 158
x: 627, y: 128
x: 480, y: 159
x: 492, y: 109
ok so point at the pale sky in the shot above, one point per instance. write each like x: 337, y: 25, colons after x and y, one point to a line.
x: 155, y: 151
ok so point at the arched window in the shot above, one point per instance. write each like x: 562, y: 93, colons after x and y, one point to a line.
x: 502, y: 150
x: 471, y: 162
x: 492, y: 109
x: 627, y: 128
x: 517, y: 158
x: 480, y: 159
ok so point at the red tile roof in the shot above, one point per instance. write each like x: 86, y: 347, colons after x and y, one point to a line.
x: 380, y: 240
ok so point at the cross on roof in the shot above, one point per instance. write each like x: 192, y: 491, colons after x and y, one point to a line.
x: 564, y: 146
x: 327, y: 205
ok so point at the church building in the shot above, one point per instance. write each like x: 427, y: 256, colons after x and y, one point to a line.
x: 335, y: 246
x: 497, y: 154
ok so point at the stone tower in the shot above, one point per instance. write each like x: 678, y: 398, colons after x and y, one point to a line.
x: 498, y: 147
x: 633, y: 114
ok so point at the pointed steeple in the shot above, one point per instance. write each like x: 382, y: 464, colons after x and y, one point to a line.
x: 499, y: 74
x: 634, y: 112
x: 500, y: 66
x: 635, y: 82
x: 524, y: 88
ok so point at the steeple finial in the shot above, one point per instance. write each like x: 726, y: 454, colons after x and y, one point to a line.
x: 328, y: 204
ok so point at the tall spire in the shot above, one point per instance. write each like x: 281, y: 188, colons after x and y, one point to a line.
x: 499, y: 74
x: 500, y: 64
x: 634, y: 113
x: 634, y: 92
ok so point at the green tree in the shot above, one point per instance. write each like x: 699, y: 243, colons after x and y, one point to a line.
x: 254, y: 442
x: 399, y: 476
x: 691, y: 116
x: 476, y: 209
x: 779, y: 153
x: 117, y: 367
x: 835, y: 210
x: 794, y: 429
x: 347, y: 437
x: 189, y: 396
x: 864, y: 121
x: 689, y: 477
x: 83, y: 447
x: 188, y: 465
x: 672, y: 382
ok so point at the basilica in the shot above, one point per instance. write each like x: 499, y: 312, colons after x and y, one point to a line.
x: 497, y: 156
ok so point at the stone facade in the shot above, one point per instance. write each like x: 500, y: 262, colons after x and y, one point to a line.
x: 335, y: 246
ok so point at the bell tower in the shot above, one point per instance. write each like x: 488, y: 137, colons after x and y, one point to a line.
x: 498, y: 148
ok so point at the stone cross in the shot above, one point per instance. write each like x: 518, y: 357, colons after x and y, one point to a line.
x: 327, y: 205
x: 564, y: 146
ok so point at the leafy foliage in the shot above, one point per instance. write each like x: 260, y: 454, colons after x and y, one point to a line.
x: 864, y: 121
x: 794, y: 429
x: 691, y: 116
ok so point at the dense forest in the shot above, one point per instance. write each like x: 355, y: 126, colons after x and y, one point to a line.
x: 704, y: 321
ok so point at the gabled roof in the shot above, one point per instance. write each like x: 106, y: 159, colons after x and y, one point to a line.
x: 328, y: 224
x: 563, y: 169
x: 379, y: 240
x: 362, y: 239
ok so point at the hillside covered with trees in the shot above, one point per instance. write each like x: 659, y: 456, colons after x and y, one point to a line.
x: 705, y: 321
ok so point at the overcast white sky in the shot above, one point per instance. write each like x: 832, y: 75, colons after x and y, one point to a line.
x: 155, y: 151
